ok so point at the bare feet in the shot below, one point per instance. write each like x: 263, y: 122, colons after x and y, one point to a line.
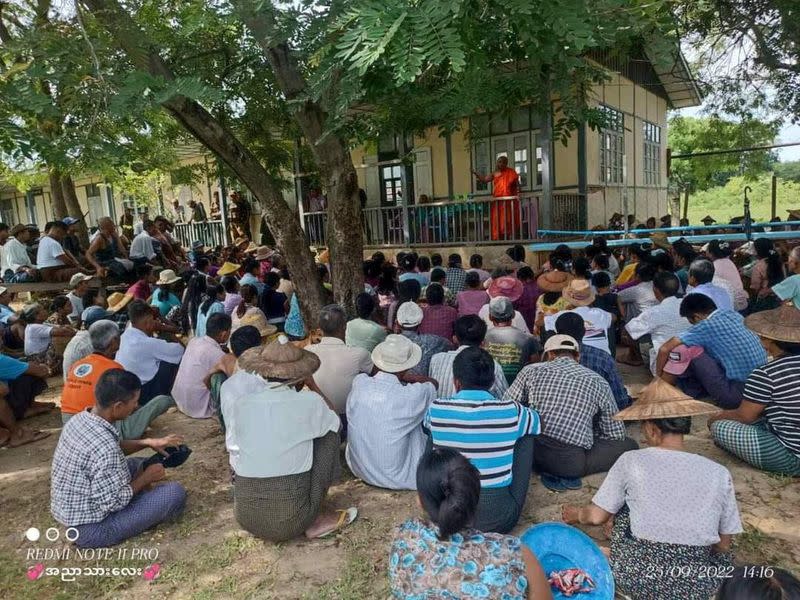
x: 22, y: 436
x: 5, y: 436
x: 38, y: 408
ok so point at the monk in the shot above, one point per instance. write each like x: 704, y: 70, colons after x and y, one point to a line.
x: 504, y: 215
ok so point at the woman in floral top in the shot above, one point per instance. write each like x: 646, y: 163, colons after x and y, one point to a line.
x: 443, y: 558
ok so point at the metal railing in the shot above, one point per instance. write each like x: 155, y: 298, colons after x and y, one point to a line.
x: 211, y: 233
x: 484, y: 220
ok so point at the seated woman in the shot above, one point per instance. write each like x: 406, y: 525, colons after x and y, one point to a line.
x: 765, y: 430
x: 211, y: 303
x: 94, y: 488
x: 283, y: 443
x: 232, y: 296
x: 248, y: 306
x: 443, y: 557
x: 272, y: 302
x: 495, y: 435
x: 671, y: 508
x: 60, y: 309
x: 20, y: 383
x: 39, y: 346
x: 163, y: 296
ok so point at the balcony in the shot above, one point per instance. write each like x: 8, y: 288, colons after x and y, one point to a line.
x: 478, y: 221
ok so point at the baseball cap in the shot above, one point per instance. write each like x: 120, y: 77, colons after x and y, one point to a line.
x: 561, y: 342
x: 680, y: 357
x: 93, y: 314
x: 409, y: 314
x: 501, y: 308
x: 69, y: 221
x: 77, y: 278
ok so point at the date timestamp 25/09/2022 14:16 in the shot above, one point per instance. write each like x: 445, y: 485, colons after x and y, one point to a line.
x: 707, y: 571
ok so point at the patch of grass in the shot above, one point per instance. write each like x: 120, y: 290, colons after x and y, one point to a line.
x: 359, y: 578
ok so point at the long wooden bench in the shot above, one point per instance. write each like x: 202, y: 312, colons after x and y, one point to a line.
x: 42, y: 287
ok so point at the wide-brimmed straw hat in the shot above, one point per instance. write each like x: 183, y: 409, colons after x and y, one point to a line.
x: 239, y: 241
x: 396, y: 353
x: 279, y: 360
x: 263, y: 253
x: 251, y: 247
x: 660, y: 400
x: 228, y: 268
x: 660, y: 240
x: 708, y: 219
x: 167, y: 276
x: 781, y: 324
x: 579, y: 292
x: 509, y: 287
x: 553, y: 281
x: 117, y: 301
x: 259, y: 321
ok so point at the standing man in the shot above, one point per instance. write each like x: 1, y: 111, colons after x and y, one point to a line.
x: 179, y: 211
x: 198, y: 212
x: 241, y: 214
x: 504, y: 216
x: 126, y: 223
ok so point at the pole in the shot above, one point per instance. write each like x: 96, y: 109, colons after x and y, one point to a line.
x: 625, y: 207
x: 404, y: 202
x: 774, y: 196
x: 223, y: 204
x: 686, y: 204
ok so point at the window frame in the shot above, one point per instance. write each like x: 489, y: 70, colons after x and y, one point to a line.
x: 651, y: 157
x: 612, y: 147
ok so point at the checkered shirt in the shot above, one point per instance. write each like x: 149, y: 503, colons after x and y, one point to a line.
x: 568, y: 398
x: 456, y: 279
x: 726, y: 339
x: 601, y: 363
x: 90, y: 477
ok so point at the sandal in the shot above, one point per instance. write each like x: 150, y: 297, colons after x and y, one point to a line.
x: 346, y: 517
x: 26, y: 437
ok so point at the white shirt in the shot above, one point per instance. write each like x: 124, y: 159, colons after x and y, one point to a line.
x: 518, y: 321
x: 596, y: 321
x: 77, y: 305
x: 37, y: 338
x: 15, y: 255
x: 142, y: 247
x: 662, y: 321
x: 138, y: 227
x: 339, y: 365
x: 441, y: 370
x: 141, y: 354
x: 269, y: 430
x: 80, y: 346
x: 49, y: 250
x: 385, y: 440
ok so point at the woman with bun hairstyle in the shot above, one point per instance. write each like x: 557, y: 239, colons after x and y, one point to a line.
x: 442, y: 557
x: 719, y: 252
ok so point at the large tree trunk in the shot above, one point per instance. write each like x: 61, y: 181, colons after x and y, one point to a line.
x: 330, y: 151
x: 74, y: 208
x: 283, y: 224
x: 57, y: 195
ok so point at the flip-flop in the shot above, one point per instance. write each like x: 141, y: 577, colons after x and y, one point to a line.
x: 35, y: 437
x: 345, y: 518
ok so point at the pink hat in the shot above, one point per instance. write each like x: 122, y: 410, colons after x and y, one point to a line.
x: 509, y: 287
x: 680, y: 357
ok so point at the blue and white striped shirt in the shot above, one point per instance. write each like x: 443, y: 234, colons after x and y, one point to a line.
x: 484, y: 429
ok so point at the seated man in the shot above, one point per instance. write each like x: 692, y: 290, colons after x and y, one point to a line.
x: 509, y: 346
x: 55, y: 265
x: 576, y: 408
x: 362, y: 331
x: 20, y: 383
x: 339, y: 364
x: 155, y: 361
x: 701, y: 281
x: 244, y: 338
x: 597, y: 322
x: 384, y: 416
x: 93, y: 487
x: 202, y: 353
x: 597, y: 360
x: 143, y: 248
x: 82, y: 377
x: 17, y: 266
x: 765, y: 430
x: 495, y: 435
x: 409, y: 316
x: 470, y: 331
x: 662, y: 321
x: 714, y: 357
x: 80, y: 346
x: 107, y: 252
x: 283, y: 443
x: 437, y: 318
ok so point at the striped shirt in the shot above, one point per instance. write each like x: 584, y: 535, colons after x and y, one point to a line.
x: 777, y: 386
x: 484, y: 429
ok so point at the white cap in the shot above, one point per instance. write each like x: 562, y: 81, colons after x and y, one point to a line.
x: 409, y: 314
x: 561, y: 342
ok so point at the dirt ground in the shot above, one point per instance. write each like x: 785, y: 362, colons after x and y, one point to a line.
x: 205, y: 554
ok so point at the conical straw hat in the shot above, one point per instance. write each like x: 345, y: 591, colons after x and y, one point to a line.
x: 660, y: 400
x: 280, y: 360
x: 781, y: 324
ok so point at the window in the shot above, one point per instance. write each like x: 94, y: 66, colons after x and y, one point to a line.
x: 392, y: 184
x: 7, y: 212
x: 612, y: 146
x: 652, y: 153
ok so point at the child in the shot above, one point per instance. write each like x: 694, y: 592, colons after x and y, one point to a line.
x: 606, y: 300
